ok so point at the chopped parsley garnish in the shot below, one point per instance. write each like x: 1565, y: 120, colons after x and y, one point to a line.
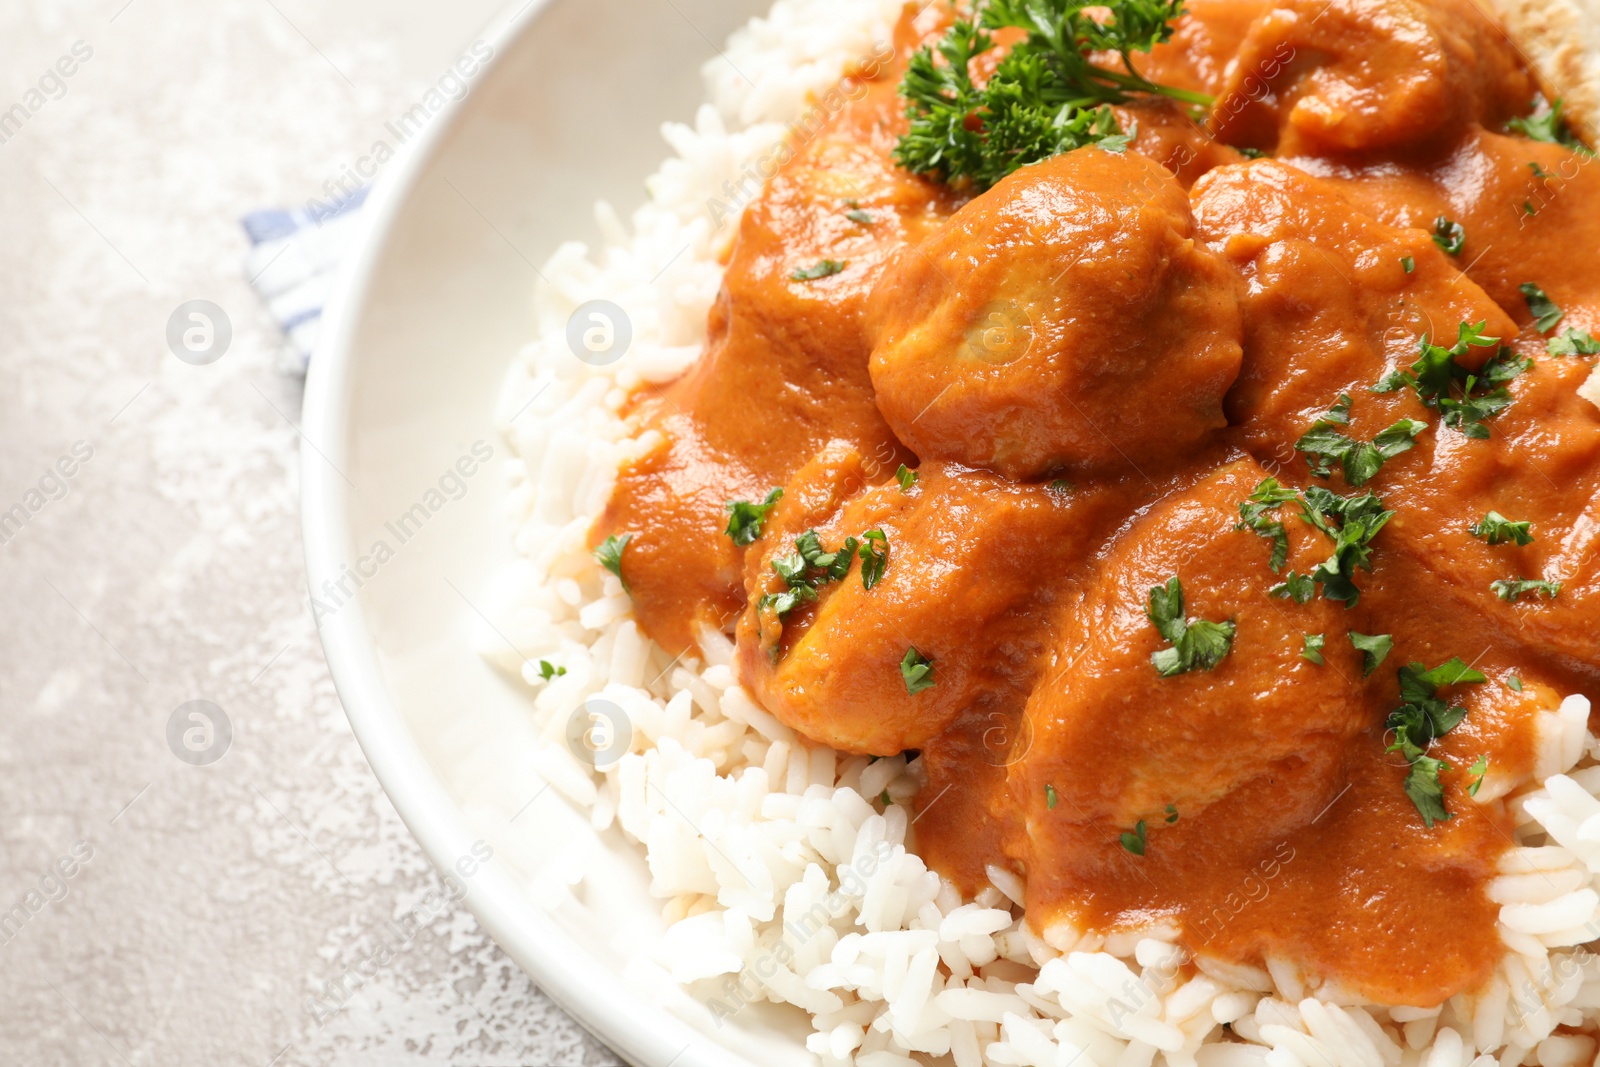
x: 609, y: 556
x: 1251, y: 153
x: 1514, y: 684
x: 917, y: 671
x: 1422, y: 719
x: 1374, y: 649
x: 745, y: 519
x: 1197, y: 644
x: 1497, y: 530
x: 884, y: 798
x: 1448, y: 235
x: 1539, y: 172
x: 548, y: 670
x: 1509, y: 589
x: 1479, y: 768
x: 1044, y: 98
x: 1297, y: 587
x: 1172, y: 814
x: 1573, y: 342
x: 805, y: 570
x: 1408, y: 263
x: 1544, y: 310
x: 820, y: 269
x: 1253, y: 516
x: 1325, y: 444
x: 1050, y: 797
x: 906, y: 477
x: 1465, y: 399
x: 1060, y: 485
x: 1313, y: 648
x: 1528, y: 208
x: 874, y: 557
x: 1351, y: 523
x: 858, y: 216
x: 1135, y: 840
x: 1547, y: 125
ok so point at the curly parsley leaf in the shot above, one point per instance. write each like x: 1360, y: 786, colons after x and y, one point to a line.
x: 1497, y: 530
x: 1547, y: 125
x: 820, y: 269
x: 1045, y: 96
x: 1350, y: 523
x: 1464, y: 398
x: 1374, y: 649
x: 1197, y: 644
x: 1325, y: 444
x: 1312, y: 649
x: 745, y: 519
x: 1427, y: 794
x: 1510, y: 589
x: 1297, y: 587
x: 916, y: 670
x: 1479, y: 768
x: 805, y: 571
x: 1573, y: 342
x: 1253, y: 516
x: 1136, y: 840
x: 1545, y: 312
x: 1420, y: 721
x: 1449, y: 235
x: 874, y: 557
x: 609, y: 555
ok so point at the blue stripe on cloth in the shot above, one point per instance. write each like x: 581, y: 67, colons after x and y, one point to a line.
x: 292, y: 263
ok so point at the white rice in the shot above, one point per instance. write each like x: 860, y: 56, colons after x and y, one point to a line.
x: 781, y: 882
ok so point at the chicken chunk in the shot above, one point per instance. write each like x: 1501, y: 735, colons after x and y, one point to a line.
x: 1331, y: 311
x: 1065, y: 319
x: 961, y: 589
x: 1320, y: 77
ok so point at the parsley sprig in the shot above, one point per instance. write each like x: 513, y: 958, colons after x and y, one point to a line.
x: 1350, y: 522
x: 1546, y: 124
x: 1573, y: 342
x: 1044, y: 98
x: 1325, y: 443
x: 1253, y: 515
x: 609, y: 555
x: 1546, y: 312
x: 1496, y: 529
x: 805, y: 570
x: 1510, y: 589
x: 1465, y: 399
x: 745, y: 519
x: 1422, y: 719
x: 1197, y: 644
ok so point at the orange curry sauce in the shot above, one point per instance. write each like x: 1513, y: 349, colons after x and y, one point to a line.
x: 1090, y: 367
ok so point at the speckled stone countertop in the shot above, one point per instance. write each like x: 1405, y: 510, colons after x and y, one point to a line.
x: 153, y: 911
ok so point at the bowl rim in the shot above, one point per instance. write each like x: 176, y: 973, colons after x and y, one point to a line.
x: 640, y: 1030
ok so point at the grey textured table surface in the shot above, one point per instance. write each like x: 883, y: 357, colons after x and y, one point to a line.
x: 162, y: 913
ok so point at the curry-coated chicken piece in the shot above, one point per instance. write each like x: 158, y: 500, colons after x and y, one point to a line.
x: 1241, y: 743
x: 1331, y: 311
x: 963, y: 558
x: 1528, y: 205
x: 785, y: 366
x: 1065, y: 319
x: 1321, y: 77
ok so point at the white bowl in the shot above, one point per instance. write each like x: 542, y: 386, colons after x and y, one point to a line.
x: 430, y: 311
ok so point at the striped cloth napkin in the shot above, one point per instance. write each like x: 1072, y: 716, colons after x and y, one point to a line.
x: 293, y: 262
